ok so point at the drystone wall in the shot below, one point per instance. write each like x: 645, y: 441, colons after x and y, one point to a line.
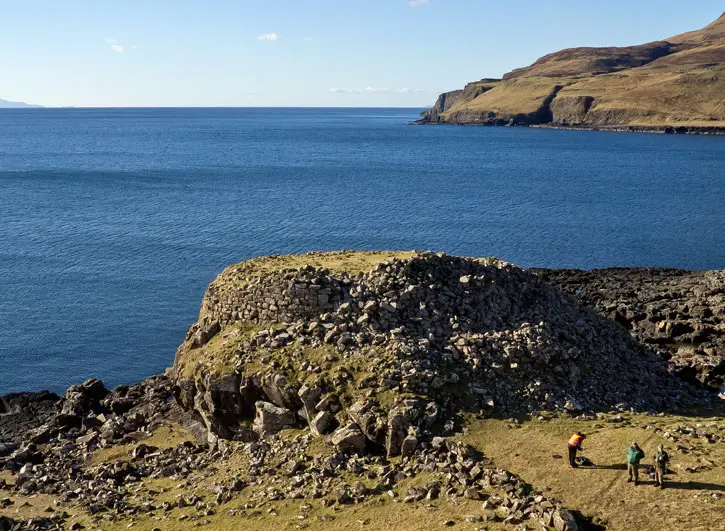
x: 281, y: 297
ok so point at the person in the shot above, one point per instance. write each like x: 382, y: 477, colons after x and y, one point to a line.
x: 634, y: 455
x: 661, y: 460
x: 575, y: 445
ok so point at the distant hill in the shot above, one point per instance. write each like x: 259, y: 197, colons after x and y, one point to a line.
x: 676, y: 85
x: 5, y: 104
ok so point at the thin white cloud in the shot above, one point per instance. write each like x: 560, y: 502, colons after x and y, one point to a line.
x: 374, y: 90
x: 268, y: 37
x: 307, y: 39
x: 418, y: 3
x: 115, y: 45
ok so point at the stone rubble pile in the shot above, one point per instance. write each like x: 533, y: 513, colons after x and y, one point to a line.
x: 448, y: 333
x: 33, y: 524
x: 53, y: 458
x: 281, y: 469
x: 681, y: 314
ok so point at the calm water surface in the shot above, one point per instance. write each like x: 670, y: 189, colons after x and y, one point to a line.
x: 112, y: 222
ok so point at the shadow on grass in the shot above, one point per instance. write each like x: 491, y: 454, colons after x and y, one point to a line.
x: 694, y: 485
x: 586, y: 523
x: 618, y: 466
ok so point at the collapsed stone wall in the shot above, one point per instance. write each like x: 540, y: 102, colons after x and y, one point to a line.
x: 280, y: 297
x: 420, y: 339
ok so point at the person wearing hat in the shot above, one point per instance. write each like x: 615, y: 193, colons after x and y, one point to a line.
x: 634, y: 455
x: 574, y: 446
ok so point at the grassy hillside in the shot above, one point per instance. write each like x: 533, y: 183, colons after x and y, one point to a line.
x: 694, y: 499
x: 673, y: 83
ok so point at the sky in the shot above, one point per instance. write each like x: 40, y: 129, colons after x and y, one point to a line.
x: 290, y: 53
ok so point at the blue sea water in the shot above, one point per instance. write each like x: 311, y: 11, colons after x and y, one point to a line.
x: 113, y: 221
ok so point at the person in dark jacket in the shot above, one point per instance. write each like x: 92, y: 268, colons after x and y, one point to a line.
x: 661, y: 460
x: 634, y: 455
x: 574, y: 446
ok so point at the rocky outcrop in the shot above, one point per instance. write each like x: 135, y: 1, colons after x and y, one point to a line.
x: 680, y: 314
x: 420, y: 339
x: 276, y: 468
x: 22, y: 412
x: 444, y: 102
x: 673, y: 85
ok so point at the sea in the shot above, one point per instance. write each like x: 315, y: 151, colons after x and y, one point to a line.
x: 114, y: 221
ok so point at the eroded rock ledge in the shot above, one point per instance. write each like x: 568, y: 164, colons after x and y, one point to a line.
x: 680, y: 314
x: 388, y: 357
x: 354, y: 378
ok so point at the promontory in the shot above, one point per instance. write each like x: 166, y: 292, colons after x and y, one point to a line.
x: 675, y: 85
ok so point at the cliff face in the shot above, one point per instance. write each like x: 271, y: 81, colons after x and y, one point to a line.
x: 674, y: 85
x: 421, y: 337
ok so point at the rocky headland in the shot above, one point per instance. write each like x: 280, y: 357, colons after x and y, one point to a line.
x: 669, y: 86
x: 331, y: 390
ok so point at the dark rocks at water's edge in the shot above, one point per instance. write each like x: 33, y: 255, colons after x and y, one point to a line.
x: 678, y: 313
x: 22, y: 412
x: 670, y: 86
x: 279, y: 469
x: 375, y: 365
x: 42, y: 417
x: 401, y: 350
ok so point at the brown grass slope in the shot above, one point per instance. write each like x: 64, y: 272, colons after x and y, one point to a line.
x: 671, y: 84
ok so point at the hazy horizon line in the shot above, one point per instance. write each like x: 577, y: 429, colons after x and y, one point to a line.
x: 43, y: 107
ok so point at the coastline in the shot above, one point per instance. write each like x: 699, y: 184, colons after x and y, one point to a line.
x: 651, y: 129
x: 352, y: 379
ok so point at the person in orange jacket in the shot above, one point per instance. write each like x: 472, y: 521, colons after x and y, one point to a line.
x: 574, y: 446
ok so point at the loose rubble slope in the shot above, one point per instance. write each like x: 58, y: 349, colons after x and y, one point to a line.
x: 680, y: 314
x: 397, y: 351
x: 344, y: 390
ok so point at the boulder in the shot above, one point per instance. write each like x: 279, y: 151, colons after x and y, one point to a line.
x: 349, y: 437
x: 324, y: 422
x: 364, y: 413
x: 410, y: 444
x: 563, y: 520
x: 270, y: 419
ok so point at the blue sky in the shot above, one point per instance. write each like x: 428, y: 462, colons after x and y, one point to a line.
x: 303, y: 52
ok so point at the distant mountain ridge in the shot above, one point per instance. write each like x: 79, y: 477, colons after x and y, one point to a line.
x: 674, y: 85
x: 5, y: 104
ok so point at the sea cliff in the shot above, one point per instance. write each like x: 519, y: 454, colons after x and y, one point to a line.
x: 671, y: 86
x: 398, y: 389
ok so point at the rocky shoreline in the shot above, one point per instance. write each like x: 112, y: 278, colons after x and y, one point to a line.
x: 671, y: 86
x: 380, y: 363
x: 651, y: 129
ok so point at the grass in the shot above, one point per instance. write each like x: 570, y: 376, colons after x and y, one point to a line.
x: 169, y: 435
x: 351, y: 262
x: 219, y: 352
x: 687, y: 503
x: 525, y: 448
x: 683, y: 88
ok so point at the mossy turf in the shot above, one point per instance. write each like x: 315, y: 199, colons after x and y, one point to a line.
x: 691, y: 500
x: 169, y: 435
x: 352, y: 263
x: 218, y: 354
x: 337, y: 262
